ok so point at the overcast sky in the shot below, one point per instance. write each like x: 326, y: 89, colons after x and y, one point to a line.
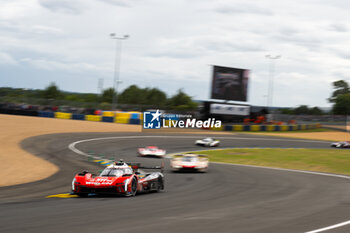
x: 173, y: 43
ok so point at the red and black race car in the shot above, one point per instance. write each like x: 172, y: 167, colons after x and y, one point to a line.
x: 118, y: 178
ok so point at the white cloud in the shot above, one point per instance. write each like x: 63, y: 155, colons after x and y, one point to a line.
x: 243, y: 9
x: 338, y: 27
x: 47, y: 64
x: 64, y: 6
x: 175, y: 42
x: 6, y: 59
x: 122, y: 3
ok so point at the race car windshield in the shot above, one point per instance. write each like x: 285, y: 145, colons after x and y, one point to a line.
x: 116, y: 172
x: 207, y: 139
x: 188, y: 159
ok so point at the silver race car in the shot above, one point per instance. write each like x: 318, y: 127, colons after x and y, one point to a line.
x: 344, y: 144
x: 209, y: 142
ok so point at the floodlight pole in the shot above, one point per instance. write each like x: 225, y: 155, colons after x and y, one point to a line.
x: 271, y: 76
x: 118, y: 54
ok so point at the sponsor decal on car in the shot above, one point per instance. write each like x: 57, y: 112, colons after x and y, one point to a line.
x: 100, y: 181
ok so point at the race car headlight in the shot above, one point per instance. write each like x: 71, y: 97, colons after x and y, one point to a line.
x: 126, y: 182
x: 73, y: 185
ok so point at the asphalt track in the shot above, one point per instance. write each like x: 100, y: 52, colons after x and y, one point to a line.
x: 228, y: 198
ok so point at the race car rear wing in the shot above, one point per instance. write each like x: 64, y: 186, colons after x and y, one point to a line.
x: 136, y: 166
x: 182, y: 155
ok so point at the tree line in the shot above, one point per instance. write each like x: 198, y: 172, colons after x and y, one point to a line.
x: 133, y: 95
x: 340, y: 99
x: 302, y: 110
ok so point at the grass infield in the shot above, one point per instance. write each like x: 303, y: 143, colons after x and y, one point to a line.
x: 320, y: 160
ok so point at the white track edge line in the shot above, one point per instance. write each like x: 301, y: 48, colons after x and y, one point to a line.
x: 74, y: 149
x: 330, y: 227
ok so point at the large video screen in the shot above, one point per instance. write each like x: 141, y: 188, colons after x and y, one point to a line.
x: 229, y: 83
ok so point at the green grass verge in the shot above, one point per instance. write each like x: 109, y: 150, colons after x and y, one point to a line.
x: 321, y: 160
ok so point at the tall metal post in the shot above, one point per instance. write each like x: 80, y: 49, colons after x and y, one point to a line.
x: 116, y: 80
x: 272, y: 60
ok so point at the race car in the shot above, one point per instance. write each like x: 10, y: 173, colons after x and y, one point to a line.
x: 194, y: 162
x: 210, y: 142
x: 118, y: 178
x: 344, y: 144
x: 151, y: 151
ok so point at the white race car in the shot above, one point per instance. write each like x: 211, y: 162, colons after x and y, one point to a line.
x: 151, y: 151
x: 189, y: 162
x: 210, y: 142
x: 345, y: 144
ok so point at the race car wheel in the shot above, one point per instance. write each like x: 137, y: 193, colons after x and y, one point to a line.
x: 133, y: 187
x: 160, y: 184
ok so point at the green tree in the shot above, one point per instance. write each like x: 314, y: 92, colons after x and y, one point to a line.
x: 135, y: 95
x: 288, y: 111
x: 342, y: 104
x: 302, y: 109
x: 315, y: 111
x: 52, y: 92
x: 341, y: 87
x: 91, y: 98
x: 181, y: 101
x: 107, y: 95
x: 72, y: 97
x: 155, y: 96
x: 132, y: 95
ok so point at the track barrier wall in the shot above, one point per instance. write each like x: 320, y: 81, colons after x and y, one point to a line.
x: 136, y: 118
x: 262, y: 128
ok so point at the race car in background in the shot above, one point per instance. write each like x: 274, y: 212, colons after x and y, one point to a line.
x: 151, y: 151
x: 344, y: 144
x: 119, y: 178
x: 210, y: 142
x: 194, y: 162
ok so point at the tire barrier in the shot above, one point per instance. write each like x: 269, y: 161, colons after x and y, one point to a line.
x: 63, y: 115
x: 93, y: 118
x: 78, y: 117
x: 134, y: 118
x: 107, y: 119
x: 270, y: 128
x: 19, y: 112
x: 46, y: 114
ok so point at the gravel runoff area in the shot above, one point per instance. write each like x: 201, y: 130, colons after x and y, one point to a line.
x: 23, y: 167
x: 16, y: 128
x: 20, y: 166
